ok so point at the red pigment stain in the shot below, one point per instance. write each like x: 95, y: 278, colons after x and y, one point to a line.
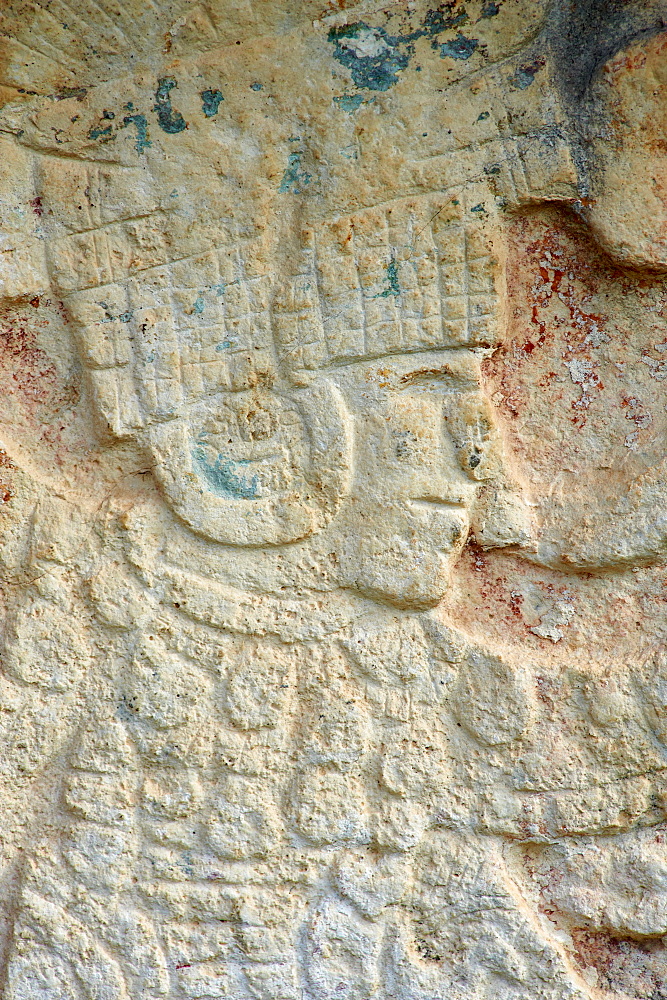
x: 529, y: 828
x: 496, y: 595
x: 29, y: 367
x: 31, y: 379
x: 479, y: 558
x: 633, y: 968
x: 6, y: 492
x: 36, y: 206
x: 570, y: 359
x: 542, y: 275
x: 545, y: 691
x: 516, y: 600
x: 490, y: 580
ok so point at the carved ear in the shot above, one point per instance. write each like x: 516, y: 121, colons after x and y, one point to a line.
x: 222, y: 498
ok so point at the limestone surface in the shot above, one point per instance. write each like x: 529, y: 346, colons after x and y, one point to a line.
x: 333, y: 500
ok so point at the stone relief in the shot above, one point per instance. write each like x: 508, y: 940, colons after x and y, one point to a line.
x: 333, y: 500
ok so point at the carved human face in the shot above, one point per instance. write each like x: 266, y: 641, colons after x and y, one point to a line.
x: 221, y: 364
x: 424, y: 446
x: 404, y: 450
x: 629, y: 209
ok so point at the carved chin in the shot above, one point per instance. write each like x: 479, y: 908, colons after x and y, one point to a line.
x: 394, y: 571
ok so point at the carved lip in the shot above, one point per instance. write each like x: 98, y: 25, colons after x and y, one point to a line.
x: 455, y: 501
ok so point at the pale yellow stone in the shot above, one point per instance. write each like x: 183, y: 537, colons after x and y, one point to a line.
x: 333, y: 353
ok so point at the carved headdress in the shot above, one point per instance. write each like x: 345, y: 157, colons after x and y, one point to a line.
x: 217, y: 270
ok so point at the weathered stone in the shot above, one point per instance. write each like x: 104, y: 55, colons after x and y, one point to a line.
x: 333, y: 353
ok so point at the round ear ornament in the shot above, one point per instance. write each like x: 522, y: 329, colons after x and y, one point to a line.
x: 257, y: 467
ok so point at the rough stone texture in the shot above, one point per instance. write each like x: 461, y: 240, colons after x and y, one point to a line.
x: 333, y: 352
